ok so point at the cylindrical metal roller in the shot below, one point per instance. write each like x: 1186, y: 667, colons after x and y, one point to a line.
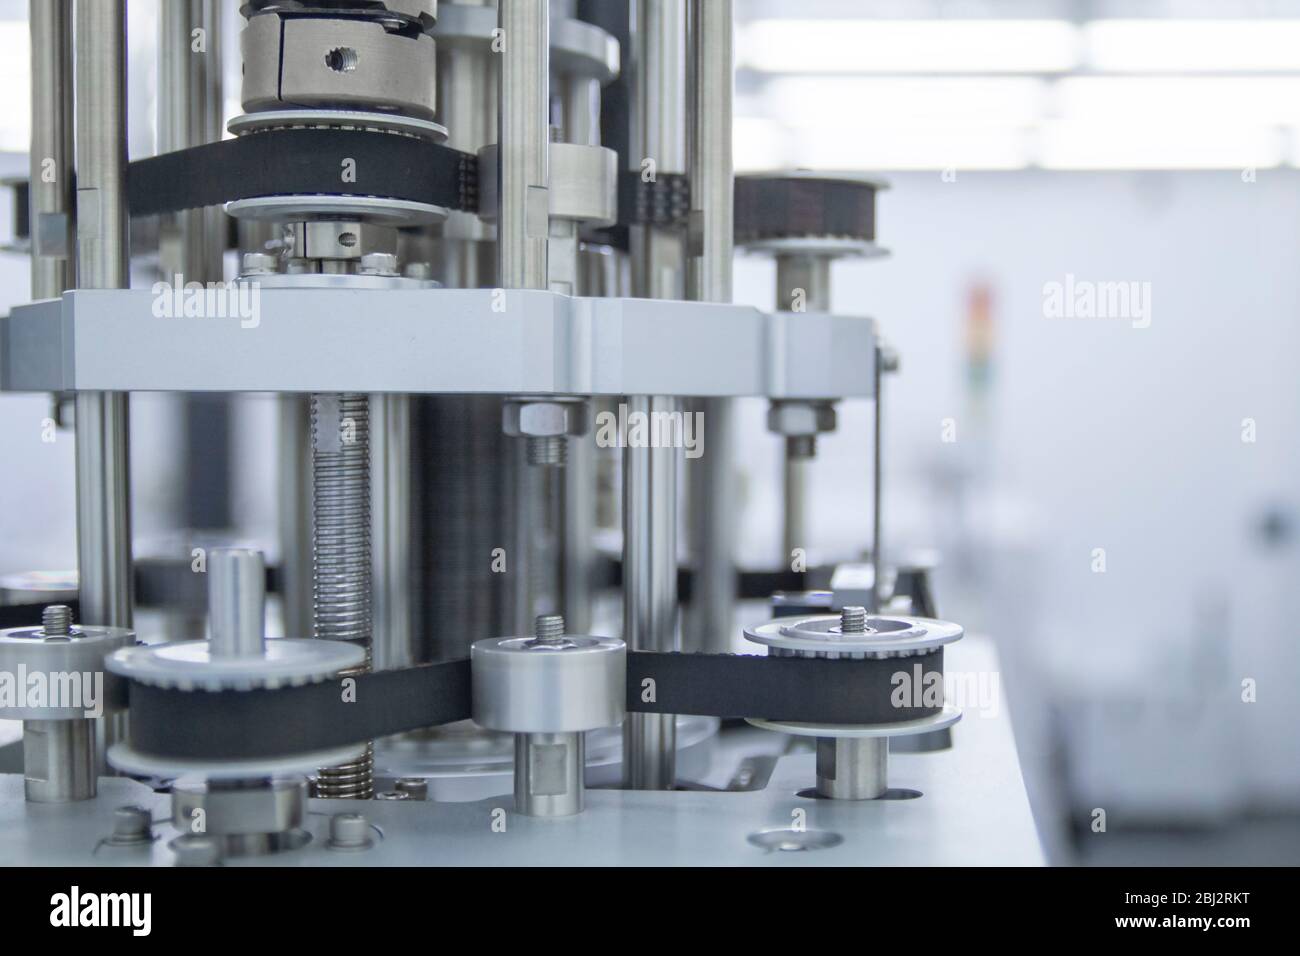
x: 528, y: 685
x: 236, y: 602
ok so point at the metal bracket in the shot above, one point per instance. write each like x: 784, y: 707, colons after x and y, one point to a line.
x: 255, y: 338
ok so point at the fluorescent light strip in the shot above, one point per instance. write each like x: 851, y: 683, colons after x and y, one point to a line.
x: 943, y: 101
x: 1207, y: 101
x: 1137, y: 145
x: 909, y: 46
x: 1153, y: 46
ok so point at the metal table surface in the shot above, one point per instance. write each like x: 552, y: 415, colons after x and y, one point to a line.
x: 973, y: 809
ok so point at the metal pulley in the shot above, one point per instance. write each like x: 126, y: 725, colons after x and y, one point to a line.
x: 853, y: 759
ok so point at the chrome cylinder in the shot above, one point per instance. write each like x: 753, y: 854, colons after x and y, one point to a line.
x: 50, y: 176
x: 650, y: 591
x: 878, y: 592
x: 103, y: 478
x: 852, y: 768
x: 294, y: 493
x: 392, y: 512
x: 59, y: 760
x: 236, y: 602
x: 523, y: 143
x: 803, y: 283
x: 713, y: 482
x: 548, y: 774
x: 658, y: 142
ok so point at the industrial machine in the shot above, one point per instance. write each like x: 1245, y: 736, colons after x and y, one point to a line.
x: 485, y: 266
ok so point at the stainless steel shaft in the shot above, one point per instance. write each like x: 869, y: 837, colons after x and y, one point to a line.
x: 103, y: 479
x: 658, y: 143
x: 51, y: 167
x: 713, y: 481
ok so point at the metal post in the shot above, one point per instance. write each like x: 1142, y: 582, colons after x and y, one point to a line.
x: 294, y: 498
x: 878, y: 592
x: 650, y: 474
x: 650, y: 592
x: 103, y: 480
x: 59, y: 760
x: 523, y: 229
x: 392, y: 518
x: 190, y: 114
x: 804, y: 278
x: 805, y: 281
x: 524, y: 143
x: 192, y: 243
x: 51, y: 177
x: 236, y: 603
x: 712, y: 213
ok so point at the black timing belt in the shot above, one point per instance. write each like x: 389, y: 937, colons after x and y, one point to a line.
x: 777, y: 207
x: 251, y: 724
x: 305, y: 161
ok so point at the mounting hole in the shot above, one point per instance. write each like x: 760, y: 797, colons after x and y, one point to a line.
x: 893, y: 793
x: 342, y: 59
x: 788, y: 840
x: 347, y: 239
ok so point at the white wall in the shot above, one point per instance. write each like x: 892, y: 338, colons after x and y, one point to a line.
x: 1099, y: 435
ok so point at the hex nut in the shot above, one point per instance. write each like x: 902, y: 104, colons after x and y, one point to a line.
x: 796, y: 418
x: 544, y: 418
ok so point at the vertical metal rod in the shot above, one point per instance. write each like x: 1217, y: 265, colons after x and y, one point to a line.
x: 713, y: 518
x: 549, y: 774
x: 877, y: 538
x: 650, y: 591
x: 50, y: 178
x: 392, y: 518
x: 524, y: 143
x: 189, y: 114
x: 191, y: 245
x: 795, y: 525
x: 803, y: 281
x: 523, y: 230
x: 294, y: 494
x: 103, y: 479
x: 803, y: 278
x: 650, y: 474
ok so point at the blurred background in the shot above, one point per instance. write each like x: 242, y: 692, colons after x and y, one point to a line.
x: 1024, y: 142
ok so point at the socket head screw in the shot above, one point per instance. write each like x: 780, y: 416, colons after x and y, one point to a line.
x: 131, y: 825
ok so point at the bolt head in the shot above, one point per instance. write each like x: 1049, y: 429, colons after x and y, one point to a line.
x: 350, y: 831
x: 377, y: 264
x: 544, y: 418
x: 258, y: 264
x: 799, y: 418
x: 131, y: 824
x: 196, y: 849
